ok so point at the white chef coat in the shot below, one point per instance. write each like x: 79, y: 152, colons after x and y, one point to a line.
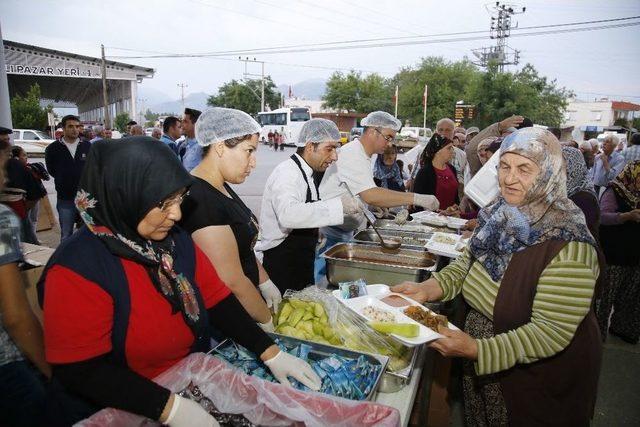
x: 354, y: 167
x: 284, y: 208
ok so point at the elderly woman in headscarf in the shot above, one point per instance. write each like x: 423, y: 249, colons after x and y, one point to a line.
x: 130, y: 295
x: 387, y: 172
x: 531, y: 342
x: 619, y: 236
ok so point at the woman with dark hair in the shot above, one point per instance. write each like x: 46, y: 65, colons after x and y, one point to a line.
x: 130, y: 295
x: 387, y: 172
x: 218, y: 220
x: 22, y: 388
x: 619, y: 236
x: 436, y: 176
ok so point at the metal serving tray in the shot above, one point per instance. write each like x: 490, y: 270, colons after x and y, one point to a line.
x: 347, y: 262
x: 410, y: 239
x: 321, y: 351
x: 411, y: 226
x: 391, y: 382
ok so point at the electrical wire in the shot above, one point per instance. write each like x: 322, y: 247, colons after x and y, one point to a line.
x: 262, y: 50
x: 381, y: 45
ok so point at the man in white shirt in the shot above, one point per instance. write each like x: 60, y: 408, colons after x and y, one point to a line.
x: 354, y: 167
x: 292, y: 210
x: 608, y: 164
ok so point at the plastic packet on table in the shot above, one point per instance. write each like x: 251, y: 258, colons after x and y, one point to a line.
x: 261, y: 402
x: 314, y: 314
x: 357, y: 288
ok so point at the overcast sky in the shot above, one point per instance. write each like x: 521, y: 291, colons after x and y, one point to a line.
x: 590, y: 63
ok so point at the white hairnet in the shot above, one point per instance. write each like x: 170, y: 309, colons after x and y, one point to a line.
x: 317, y: 131
x: 381, y: 119
x: 219, y: 124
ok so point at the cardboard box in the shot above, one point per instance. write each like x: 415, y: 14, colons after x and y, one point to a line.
x: 36, y: 258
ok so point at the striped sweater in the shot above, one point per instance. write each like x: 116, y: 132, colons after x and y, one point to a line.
x: 562, y: 300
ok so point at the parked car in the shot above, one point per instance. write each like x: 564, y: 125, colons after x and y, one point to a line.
x: 32, y: 141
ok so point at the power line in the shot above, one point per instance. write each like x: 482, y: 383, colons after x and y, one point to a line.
x: 358, y: 18
x: 460, y: 33
x: 380, y: 45
x: 308, y: 16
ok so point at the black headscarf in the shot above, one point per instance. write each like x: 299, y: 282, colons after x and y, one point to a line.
x: 435, y: 144
x: 121, y: 182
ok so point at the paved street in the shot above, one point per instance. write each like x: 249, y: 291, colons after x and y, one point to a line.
x: 250, y: 191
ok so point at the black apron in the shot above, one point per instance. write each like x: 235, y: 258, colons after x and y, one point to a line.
x: 290, y: 264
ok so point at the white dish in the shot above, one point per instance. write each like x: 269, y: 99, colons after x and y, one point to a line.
x: 444, y: 244
x: 456, y: 223
x: 425, y: 334
x: 372, y: 290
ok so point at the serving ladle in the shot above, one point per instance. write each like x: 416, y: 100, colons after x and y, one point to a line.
x: 390, y: 244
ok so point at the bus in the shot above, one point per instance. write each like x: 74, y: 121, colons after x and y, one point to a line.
x: 286, y: 121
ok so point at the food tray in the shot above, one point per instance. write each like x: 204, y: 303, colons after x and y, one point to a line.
x: 410, y: 239
x: 450, y: 250
x: 347, y: 262
x: 410, y: 226
x: 321, y: 351
x: 425, y: 335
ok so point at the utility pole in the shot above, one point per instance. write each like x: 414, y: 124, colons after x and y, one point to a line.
x: 424, y: 119
x: 182, y: 86
x: 105, y: 96
x: 395, y: 100
x: 247, y: 74
x: 501, y: 25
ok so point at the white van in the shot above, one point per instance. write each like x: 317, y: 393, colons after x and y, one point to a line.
x: 416, y: 132
x: 32, y: 141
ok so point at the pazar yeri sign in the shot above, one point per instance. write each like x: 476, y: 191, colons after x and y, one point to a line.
x: 32, y: 70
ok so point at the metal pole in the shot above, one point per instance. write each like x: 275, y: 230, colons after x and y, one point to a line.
x: 5, y: 103
x: 424, y: 120
x: 396, y: 108
x: 262, y: 97
x: 105, y: 97
x: 182, y: 86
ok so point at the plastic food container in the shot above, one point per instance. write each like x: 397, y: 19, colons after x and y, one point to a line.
x: 483, y: 187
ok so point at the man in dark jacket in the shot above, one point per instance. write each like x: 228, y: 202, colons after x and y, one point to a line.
x: 65, y: 160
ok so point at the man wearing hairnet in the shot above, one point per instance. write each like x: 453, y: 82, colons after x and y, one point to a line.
x: 354, y: 167
x: 292, y: 210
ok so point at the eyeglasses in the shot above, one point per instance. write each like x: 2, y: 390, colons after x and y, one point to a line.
x: 387, y: 138
x: 167, y: 203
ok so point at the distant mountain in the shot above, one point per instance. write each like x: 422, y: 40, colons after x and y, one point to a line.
x: 152, y: 96
x: 312, y: 89
x: 196, y: 100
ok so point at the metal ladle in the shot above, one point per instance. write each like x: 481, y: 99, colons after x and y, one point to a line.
x: 390, y: 244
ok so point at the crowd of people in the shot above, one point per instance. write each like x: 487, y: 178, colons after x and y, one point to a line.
x: 158, y: 253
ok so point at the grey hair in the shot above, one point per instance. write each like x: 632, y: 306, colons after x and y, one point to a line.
x: 156, y: 131
x: 613, y: 138
x: 98, y: 130
x: 446, y: 119
x: 585, y: 145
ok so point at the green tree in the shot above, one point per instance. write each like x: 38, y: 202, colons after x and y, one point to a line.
x: 499, y: 95
x: 352, y: 92
x: 245, y: 96
x: 121, y: 120
x: 636, y: 123
x: 448, y: 83
x: 26, y: 112
x: 151, y: 118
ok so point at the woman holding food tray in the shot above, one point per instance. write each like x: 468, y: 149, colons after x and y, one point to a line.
x: 531, y: 341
